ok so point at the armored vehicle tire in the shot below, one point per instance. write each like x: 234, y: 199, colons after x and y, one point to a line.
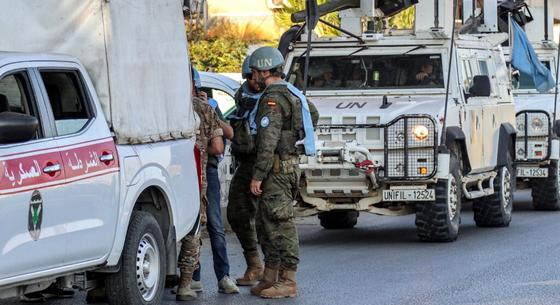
x: 338, y: 219
x: 439, y: 221
x: 141, y: 277
x: 495, y: 210
x: 546, y: 191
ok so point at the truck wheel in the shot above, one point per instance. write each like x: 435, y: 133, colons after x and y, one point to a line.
x: 546, y: 191
x: 439, y: 221
x: 141, y: 278
x: 495, y: 210
x: 338, y: 219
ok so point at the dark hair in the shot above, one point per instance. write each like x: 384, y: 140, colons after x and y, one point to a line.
x: 277, y: 72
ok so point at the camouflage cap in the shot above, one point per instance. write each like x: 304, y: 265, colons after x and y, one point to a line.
x: 266, y: 58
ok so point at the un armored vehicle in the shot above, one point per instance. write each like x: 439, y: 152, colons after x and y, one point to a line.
x: 537, y: 149
x: 412, y: 122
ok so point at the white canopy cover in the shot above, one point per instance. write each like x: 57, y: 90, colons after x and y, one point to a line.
x: 135, y: 51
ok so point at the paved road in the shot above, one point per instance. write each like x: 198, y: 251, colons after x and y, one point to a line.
x: 382, y: 262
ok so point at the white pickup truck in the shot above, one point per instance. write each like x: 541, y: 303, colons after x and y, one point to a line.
x: 93, y: 184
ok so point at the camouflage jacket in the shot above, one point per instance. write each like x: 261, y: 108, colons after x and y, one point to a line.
x: 209, y: 128
x: 275, y: 134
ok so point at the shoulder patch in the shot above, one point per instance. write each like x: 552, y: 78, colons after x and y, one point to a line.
x: 271, y: 103
x: 265, y: 121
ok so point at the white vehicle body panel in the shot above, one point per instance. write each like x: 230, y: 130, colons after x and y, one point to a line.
x: 86, y: 215
x: 479, y: 118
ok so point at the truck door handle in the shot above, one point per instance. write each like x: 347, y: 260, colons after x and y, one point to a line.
x: 107, y: 157
x: 51, y: 169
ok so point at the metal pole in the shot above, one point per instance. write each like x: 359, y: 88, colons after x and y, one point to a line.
x: 510, y: 43
x: 448, y: 87
x: 546, y: 20
x: 436, y: 14
x: 556, y: 90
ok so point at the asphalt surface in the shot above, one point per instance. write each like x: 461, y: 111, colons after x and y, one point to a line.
x: 382, y: 262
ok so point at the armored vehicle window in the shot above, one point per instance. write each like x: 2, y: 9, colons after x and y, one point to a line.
x: 524, y: 81
x: 369, y: 72
x: 67, y: 100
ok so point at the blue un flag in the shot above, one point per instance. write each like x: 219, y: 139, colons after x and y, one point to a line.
x: 525, y: 59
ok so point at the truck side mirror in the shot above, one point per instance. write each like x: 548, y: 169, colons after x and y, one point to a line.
x: 481, y: 86
x: 16, y: 127
x: 556, y: 127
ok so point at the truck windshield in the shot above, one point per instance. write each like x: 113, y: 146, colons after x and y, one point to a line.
x: 522, y: 81
x: 369, y: 72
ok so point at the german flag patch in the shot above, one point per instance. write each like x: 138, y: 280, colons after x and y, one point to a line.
x: 271, y: 103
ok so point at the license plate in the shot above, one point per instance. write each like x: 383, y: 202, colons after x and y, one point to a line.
x: 532, y: 172
x: 409, y: 195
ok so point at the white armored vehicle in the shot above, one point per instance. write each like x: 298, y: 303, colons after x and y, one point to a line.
x: 388, y: 143
x: 537, y: 149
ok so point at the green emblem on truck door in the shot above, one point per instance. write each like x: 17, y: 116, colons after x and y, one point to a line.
x: 35, y: 217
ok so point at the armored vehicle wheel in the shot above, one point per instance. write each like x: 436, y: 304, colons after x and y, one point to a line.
x: 141, y: 278
x: 495, y: 210
x: 338, y: 219
x: 546, y: 191
x: 439, y: 221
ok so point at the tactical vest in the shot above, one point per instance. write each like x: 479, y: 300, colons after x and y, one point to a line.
x: 243, y: 143
x: 292, y: 130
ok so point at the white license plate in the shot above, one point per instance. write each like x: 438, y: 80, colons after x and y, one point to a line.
x: 532, y: 172
x: 409, y: 195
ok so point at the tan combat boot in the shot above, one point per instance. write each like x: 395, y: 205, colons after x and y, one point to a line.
x: 270, y: 276
x: 254, y: 270
x: 286, y: 287
x: 184, y: 291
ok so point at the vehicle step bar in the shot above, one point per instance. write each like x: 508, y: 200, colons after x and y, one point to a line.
x: 478, y: 180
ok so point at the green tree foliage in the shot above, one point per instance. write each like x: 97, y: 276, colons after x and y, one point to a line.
x: 283, y: 18
x: 403, y: 20
x: 218, y: 54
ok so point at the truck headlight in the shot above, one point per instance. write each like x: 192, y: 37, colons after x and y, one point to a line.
x: 420, y: 132
x: 537, y: 124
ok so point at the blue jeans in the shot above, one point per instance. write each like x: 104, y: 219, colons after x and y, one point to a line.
x: 215, y: 226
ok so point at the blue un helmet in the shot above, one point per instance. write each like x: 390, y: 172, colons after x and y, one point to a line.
x: 266, y: 58
x: 245, y: 69
x: 196, y: 77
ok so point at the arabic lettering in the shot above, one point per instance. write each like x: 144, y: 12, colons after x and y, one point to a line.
x: 79, y: 165
x: 9, y: 174
x: 33, y: 172
x: 92, y: 163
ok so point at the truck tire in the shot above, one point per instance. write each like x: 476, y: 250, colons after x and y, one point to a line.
x: 495, y: 210
x: 338, y: 219
x: 141, y: 277
x: 439, y: 221
x: 546, y: 191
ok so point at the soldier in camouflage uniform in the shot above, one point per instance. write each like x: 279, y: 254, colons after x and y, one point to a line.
x: 209, y: 141
x: 275, y: 181
x: 241, y: 204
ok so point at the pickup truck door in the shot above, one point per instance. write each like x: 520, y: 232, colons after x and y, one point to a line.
x: 32, y: 206
x: 90, y: 161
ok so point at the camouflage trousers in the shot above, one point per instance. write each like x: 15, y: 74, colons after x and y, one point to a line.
x: 242, y: 208
x: 189, y: 254
x: 275, y: 221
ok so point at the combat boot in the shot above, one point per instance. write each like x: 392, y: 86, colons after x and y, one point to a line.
x: 286, y: 287
x: 254, y: 270
x: 184, y: 291
x: 270, y: 276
